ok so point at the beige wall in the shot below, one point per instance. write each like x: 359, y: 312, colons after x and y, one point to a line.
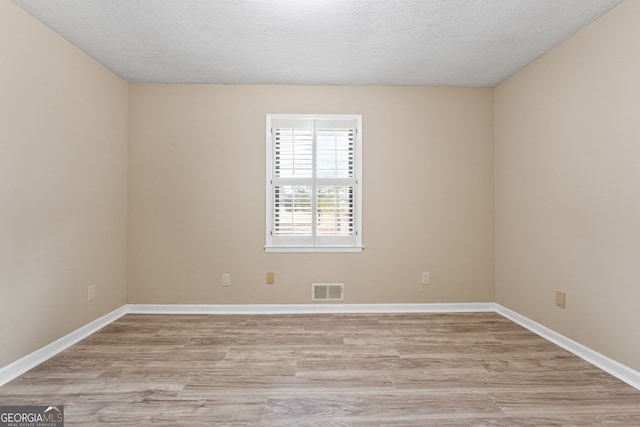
x: 567, y: 187
x: 197, y: 195
x: 63, y: 148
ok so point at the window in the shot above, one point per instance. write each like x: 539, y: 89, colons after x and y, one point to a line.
x: 314, y: 182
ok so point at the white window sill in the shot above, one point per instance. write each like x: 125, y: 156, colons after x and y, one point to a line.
x: 313, y: 249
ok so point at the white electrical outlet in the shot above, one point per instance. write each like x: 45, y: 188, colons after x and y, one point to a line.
x: 426, y: 278
x: 91, y: 293
x: 226, y: 279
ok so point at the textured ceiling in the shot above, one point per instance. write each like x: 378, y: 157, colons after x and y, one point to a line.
x: 342, y: 42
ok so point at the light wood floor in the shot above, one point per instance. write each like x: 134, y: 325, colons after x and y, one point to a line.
x: 323, y: 370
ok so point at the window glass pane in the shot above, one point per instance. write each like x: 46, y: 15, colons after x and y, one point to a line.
x: 292, y: 213
x: 293, y: 153
x: 335, y: 153
x: 335, y: 211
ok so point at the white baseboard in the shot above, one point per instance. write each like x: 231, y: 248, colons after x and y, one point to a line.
x: 306, y: 308
x: 19, y: 367
x: 618, y: 370
x: 30, y: 361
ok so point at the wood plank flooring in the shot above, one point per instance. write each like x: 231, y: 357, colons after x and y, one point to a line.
x: 392, y: 370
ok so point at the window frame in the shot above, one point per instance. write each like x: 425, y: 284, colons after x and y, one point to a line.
x: 315, y: 243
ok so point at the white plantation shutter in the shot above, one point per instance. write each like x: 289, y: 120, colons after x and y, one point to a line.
x: 335, y: 153
x: 293, y: 210
x: 335, y: 211
x: 293, y: 150
x: 313, y: 182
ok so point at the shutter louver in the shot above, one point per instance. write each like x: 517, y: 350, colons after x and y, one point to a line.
x: 293, y: 153
x: 335, y: 153
x: 293, y: 213
x: 335, y: 211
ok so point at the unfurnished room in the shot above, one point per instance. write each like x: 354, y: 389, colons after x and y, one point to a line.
x: 319, y: 212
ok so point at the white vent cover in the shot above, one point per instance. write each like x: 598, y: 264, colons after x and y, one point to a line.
x: 327, y: 291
